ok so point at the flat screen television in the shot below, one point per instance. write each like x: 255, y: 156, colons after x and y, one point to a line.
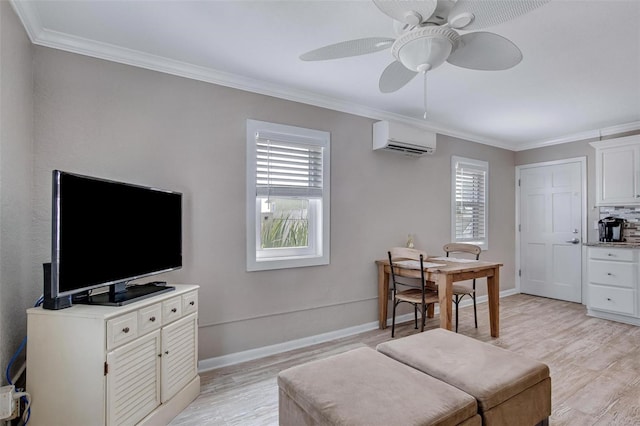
x: 106, y: 234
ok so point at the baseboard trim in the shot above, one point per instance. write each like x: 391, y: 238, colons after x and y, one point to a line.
x: 252, y: 354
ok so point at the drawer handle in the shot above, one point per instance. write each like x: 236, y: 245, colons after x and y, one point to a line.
x: 152, y: 319
x: 609, y: 273
x: 609, y: 254
x: 192, y: 303
x: 166, y: 352
x: 609, y: 299
x: 174, y: 310
x: 125, y: 330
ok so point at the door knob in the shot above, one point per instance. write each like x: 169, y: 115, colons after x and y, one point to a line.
x: 574, y: 241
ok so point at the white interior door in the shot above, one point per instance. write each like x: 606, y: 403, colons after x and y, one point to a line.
x: 551, y: 229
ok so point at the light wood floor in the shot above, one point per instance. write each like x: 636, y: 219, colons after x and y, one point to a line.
x: 595, y: 365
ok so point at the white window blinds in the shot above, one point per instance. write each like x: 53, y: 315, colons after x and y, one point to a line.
x: 288, y: 166
x: 470, y: 200
x: 288, y: 196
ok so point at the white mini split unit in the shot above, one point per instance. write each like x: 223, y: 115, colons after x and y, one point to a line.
x: 404, y: 139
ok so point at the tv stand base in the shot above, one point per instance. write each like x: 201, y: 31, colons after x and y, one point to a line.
x: 132, y: 294
x: 169, y: 410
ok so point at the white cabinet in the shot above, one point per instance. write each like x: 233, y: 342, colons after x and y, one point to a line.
x: 179, y: 356
x: 612, y: 287
x: 618, y: 171
x: 133, y: 385
x: 103, y: 365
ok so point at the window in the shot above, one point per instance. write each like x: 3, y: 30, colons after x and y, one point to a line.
x: 287, y: 196
x: 469, y: 186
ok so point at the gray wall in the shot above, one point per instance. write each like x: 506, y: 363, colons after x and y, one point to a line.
x: 572, y: 150
x: 120, y: 122
x: 19, y: 287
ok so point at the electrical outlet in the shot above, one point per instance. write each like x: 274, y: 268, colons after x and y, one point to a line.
x: 6, y: 402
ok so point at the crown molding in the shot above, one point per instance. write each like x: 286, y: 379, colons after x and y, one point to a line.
x: 581, y: 136
x: 29, y: 17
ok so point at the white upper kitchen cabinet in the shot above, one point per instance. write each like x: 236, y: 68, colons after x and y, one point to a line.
x: 618, y: 171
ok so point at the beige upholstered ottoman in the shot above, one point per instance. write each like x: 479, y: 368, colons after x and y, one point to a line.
x: 364, y: 387
x: 510, y: 388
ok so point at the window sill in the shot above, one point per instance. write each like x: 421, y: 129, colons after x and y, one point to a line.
x: 286, y: 262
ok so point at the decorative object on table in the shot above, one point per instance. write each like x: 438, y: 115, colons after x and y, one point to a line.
x: 410, y: 241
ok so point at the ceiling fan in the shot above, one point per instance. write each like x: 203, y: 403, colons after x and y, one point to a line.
x: 428, y: 36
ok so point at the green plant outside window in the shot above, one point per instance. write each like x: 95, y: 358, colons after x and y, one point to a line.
x: 284, y: 223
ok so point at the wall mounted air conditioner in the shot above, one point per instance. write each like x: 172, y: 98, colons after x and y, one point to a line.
x: 402, y: 138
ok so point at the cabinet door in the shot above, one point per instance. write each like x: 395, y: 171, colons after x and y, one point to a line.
x: 618, y: 175
x: 133, y: 380
x: 179, y: 355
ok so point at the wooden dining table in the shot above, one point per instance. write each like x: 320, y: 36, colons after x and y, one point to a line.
x: 444, y: 276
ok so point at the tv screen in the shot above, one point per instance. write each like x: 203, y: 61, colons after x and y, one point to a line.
x: 107, y: 233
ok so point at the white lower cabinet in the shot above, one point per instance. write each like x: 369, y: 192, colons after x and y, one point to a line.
x: 101, y: 365
x: 617, y: 300
x: 179, y: 357
x: 133, y: 380
x: 612, y: 287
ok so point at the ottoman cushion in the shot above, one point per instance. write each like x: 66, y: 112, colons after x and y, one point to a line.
x: 364, y: 387
x: 491, y: 374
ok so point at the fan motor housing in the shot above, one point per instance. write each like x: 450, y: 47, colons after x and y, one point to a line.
x: 425, y: 47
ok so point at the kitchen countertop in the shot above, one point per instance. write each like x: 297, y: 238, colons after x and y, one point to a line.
x: 611, y: 244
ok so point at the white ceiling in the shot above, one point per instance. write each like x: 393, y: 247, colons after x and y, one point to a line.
x: 580, y: 76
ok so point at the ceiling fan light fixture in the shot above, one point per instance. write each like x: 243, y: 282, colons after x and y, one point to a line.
x: 426, y: 48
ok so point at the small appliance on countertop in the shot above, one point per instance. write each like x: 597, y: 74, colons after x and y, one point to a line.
x: 611, y: 229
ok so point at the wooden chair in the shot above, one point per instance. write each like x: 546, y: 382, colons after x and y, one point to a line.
x: 416, y: 293
x: 461, y: 289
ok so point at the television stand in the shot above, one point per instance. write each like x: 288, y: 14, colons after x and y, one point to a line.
x: 132, y: 293
x: 114, y: 365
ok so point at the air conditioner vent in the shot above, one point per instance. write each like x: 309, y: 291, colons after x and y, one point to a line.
x: 404, y: 139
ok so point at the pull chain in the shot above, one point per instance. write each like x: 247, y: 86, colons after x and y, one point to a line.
x: 425, y: 94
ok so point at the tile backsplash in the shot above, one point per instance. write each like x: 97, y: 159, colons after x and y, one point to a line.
x: 631, y: 231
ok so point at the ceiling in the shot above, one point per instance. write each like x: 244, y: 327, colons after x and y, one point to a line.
x: 580, y: 76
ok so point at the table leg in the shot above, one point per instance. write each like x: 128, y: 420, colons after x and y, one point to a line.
x: 445, y: 292
x: 430, y: 310
x: 383, y: 296
x: 493, y: 294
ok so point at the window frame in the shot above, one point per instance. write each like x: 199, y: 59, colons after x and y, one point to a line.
x: 318, y: 250
x: 481, y: 165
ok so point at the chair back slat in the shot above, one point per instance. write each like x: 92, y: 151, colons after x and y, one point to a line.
x: 462, y: 248
x: 404, y: 253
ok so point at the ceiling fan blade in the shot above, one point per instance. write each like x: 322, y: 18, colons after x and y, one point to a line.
x: 485, y: 13
x: 411, y: 12
x: 395, y: 76
x: 344, y: 49
x: 485, y: 51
